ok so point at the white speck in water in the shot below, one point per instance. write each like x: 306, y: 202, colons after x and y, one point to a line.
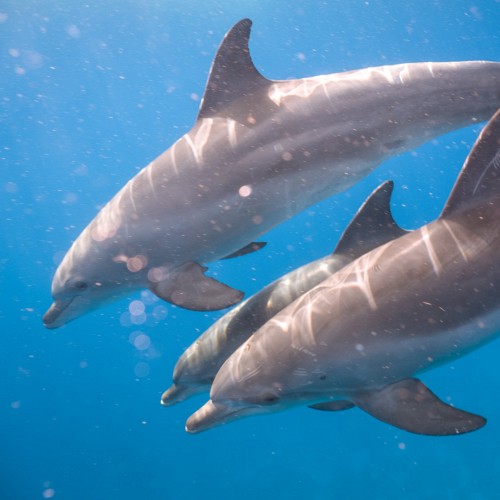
x: 138, y: 319
x: 48, y: 493
x: 245, y: 191
x: 125, y: 319
x: 11, y: 187
x: 141, y: 370
x: 70, y: 198
x: 142, y: 342
x: 136, y: 307
x: 148, y: 297
x: 160, y: 312
x: 32, y: 59
x: 137, y: 263
x: 73, y: 31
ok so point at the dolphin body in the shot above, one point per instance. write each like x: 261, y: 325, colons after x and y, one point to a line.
x: 372, y: 226
x: 259, y: 152
x: 358, y: 338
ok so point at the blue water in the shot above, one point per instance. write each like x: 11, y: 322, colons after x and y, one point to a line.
x: 92, y: 91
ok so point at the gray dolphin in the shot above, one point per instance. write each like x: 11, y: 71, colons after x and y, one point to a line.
x: 259, y: 152
x: 372, y: 226
x: 358, y: 338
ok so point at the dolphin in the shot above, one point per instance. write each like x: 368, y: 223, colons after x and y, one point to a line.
x: 259, y: 152
x: 372, y: 226
x: 359, y: 337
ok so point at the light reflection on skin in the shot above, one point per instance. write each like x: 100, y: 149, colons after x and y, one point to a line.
x: 294, y: 142
x: 425, y: 298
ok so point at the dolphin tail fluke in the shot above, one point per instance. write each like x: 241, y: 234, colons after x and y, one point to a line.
x: 189, y: 288
x: 411, y: 406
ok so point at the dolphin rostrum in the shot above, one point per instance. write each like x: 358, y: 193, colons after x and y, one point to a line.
x: 259, y: 152
x: 358, y: 337
x: 372, y: 226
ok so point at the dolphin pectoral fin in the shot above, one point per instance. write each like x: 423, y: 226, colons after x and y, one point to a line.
x: 250, y: 248
x: 411, y: 406
x: 333, y: 406
x: 188, y: 287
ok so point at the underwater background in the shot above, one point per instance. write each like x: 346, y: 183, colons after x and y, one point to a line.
x: 90, y: 92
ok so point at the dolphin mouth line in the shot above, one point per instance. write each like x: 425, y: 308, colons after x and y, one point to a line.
x: 209, y: 418
x: 55, y: 311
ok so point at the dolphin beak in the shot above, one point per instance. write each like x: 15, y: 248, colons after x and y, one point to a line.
x: 54, y: 317
x: 179, y: 392
x: 210, y: 415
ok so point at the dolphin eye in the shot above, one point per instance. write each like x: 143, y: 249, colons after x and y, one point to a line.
x: 269, y: 398
x: 81, y: 286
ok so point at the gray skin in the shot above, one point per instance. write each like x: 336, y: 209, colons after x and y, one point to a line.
x: 358, y: 338
x: 259, y: 152
x: 372, y: 226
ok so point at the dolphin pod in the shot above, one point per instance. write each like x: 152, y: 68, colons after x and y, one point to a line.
x: 259, y: 152
x: 372, y: 226
x: 420, y: 300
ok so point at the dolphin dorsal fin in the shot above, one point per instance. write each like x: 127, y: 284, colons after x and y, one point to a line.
x: 232, y: 74
x: 480, y: 174
x: 372, y: 226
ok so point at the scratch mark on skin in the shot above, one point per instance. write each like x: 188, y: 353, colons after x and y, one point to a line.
x: 459, y: 245
x: 240, y: 375
x: 201, y: 139
x: 305, y: 87
x: 190, y: 143
x: 231, y: 132
x: 404, y: 74
x: 131, y: 195
x: 365, y: 287
x: 325, y: 89
x: 436, y: 265
x: 495, y: 163
x: 149, y: 172
x: 362, y: 270
x: 174, y: 161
